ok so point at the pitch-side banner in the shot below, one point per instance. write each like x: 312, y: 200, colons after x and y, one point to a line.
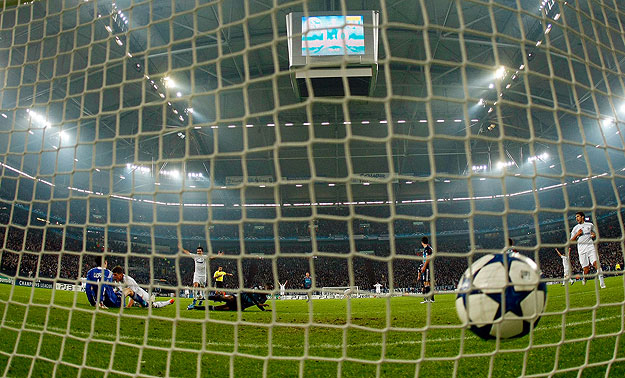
x: 366, y: 177
x: 237, y: 180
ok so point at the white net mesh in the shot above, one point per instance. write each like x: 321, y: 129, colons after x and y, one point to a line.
x: 135, y: 130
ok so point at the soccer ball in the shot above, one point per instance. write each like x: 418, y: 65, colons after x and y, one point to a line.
x: 501, y: 296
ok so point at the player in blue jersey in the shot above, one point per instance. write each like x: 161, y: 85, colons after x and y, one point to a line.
x: 424, y: 272
x: 307, y: 284
x: 99, y: 288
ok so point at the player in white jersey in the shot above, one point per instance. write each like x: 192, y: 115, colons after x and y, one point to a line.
x: 199, y: 275
x: 584, y: 234
x: 283, y: 287
x: 131, y: 289
x: 566, y: 266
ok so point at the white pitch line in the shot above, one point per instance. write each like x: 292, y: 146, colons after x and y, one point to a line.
x: 324, y: 346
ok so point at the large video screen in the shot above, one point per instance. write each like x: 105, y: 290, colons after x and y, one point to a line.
x: 333, y: 35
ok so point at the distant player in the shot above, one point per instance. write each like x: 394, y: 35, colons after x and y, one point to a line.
x: 584, y: 234
x: 99, y: 287
x: 199, y: 274
x: 307, y: 284
x: 283, y: 287
x: 219, y: 278
x: 248, y: 299
x: 131, y: 289
x: 424, y: 273
x: 378, y: 288
x: 566, y: 266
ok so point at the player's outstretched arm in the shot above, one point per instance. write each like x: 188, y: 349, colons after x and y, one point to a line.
x: 182, y: 249
x: 558, y: 252
x: 220, y: 253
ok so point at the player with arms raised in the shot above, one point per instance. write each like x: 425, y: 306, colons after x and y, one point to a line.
x: 424, y: 272
x: 584, y: 233
x: 566, y: 266
x: 199, y: 274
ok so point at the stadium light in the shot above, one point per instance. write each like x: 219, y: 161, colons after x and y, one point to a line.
x: 544, y: 156
x: 38, y: 118
x: 504, y: 164
x: 500, y: 73
x: 607, y: 122
x: 168, y: 82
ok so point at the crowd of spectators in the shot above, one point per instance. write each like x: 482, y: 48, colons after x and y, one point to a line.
x: 372, y: 247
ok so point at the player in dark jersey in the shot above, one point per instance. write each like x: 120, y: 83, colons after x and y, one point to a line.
x: 307, y: 284
x: 248, y: 299
x: 424, y: 272
x: 96, y: 289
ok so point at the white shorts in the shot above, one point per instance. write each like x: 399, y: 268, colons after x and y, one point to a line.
x: 567, y: 271
x: 199, y: 279
x: 587, y: 258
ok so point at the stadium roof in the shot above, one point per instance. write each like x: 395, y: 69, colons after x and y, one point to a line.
x: 204, y: 89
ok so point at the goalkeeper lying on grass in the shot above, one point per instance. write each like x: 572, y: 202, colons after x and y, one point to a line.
x: 248, y: 299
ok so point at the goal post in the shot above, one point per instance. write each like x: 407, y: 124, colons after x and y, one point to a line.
x: 311, y: 148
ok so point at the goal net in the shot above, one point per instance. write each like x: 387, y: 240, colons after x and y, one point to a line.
x: 340, y: 292
x: 306, y: 137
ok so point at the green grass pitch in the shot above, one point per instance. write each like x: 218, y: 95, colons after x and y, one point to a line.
x: 48, y: 333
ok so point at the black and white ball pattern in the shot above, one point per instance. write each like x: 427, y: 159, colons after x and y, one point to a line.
x: 501, y: 296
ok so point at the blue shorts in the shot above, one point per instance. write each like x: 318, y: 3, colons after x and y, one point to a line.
x: 109, y: 297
